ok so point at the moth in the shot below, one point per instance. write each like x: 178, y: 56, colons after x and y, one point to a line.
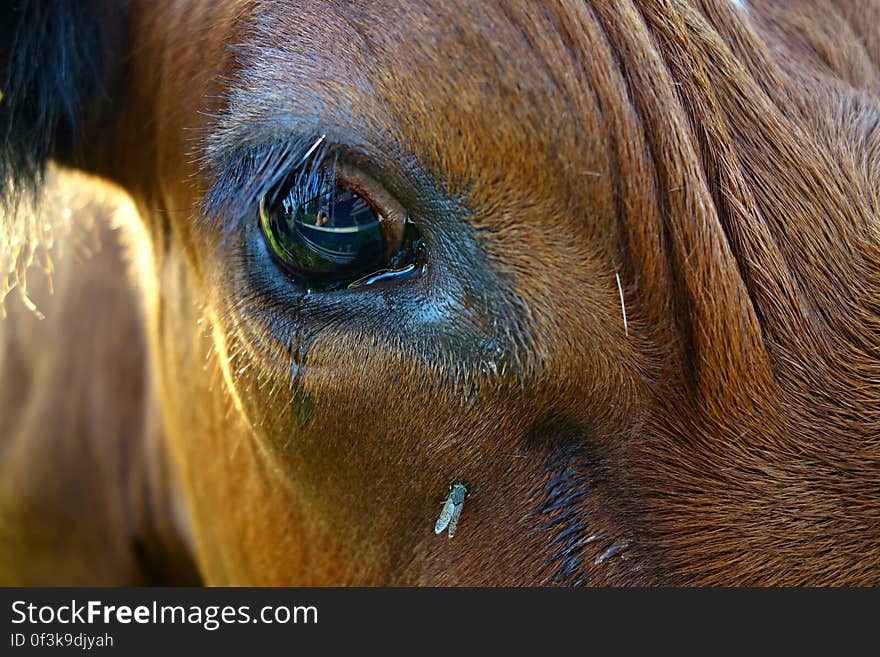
x: 451, y: 509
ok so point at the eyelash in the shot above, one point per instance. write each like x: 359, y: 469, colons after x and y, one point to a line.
x: 245, y: 176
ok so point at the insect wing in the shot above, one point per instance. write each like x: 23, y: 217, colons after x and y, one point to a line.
x: 453, y: 520
x: 445, y: 516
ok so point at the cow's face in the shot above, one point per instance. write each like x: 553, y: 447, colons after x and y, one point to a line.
x: 584, y: 259
x: 582, y: 336
x: 318, y: 425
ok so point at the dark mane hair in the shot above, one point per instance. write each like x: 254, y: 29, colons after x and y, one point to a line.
x: 51, y: 67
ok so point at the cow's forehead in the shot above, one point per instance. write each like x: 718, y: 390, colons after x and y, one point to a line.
x: 459, y: 87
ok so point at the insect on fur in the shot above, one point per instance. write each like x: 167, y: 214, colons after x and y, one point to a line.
x: 451, y: 509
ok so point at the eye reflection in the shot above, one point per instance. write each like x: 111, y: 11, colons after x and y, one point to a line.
x: 325, y: 232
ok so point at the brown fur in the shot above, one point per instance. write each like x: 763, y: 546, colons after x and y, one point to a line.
x: 725, y: 163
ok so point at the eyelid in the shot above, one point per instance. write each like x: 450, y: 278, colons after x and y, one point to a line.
x: 237, y: 181
x: 392, y: 215
x: 238, y: 178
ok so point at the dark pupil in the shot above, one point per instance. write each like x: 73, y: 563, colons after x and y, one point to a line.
x: 324, y: 233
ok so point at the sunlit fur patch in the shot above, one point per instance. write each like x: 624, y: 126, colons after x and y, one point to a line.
x: 64, y: 213
x: 25, y: 241
x: 50, y: 79
x: 223, y: 361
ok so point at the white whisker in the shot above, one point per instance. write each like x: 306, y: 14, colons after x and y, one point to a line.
x: 622, y: 305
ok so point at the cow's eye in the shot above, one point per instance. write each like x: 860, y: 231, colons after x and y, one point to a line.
x: 338, y: 229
